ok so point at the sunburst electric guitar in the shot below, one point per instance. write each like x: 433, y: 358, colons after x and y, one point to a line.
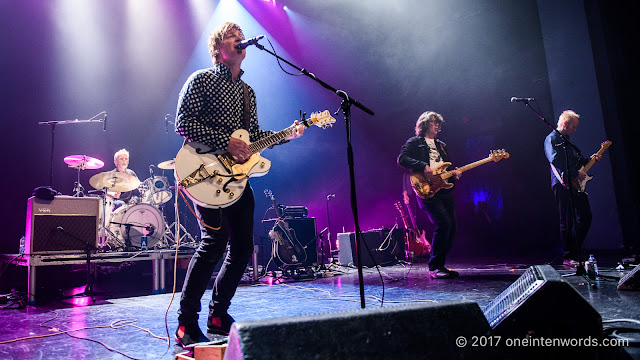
x: 426, y: 189
x: 581, y: 185
x: 215, y: 179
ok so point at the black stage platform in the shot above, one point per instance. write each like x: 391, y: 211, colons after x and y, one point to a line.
x: 106, y: 321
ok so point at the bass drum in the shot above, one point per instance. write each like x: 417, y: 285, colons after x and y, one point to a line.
x: 135, y: 221
x: 157, y: 190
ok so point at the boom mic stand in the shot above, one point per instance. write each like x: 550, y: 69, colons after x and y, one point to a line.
x: 64, y: 122
x: 345, y: 107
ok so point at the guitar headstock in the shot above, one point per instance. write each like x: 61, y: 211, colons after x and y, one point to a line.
x: 497, y: 155
x: 605, y: 144
x: 398, y: 206
x: 269, y: 194
x: 320, y: 119
x: 405, y: 196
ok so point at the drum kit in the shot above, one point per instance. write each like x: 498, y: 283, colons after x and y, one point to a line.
x: 124, y: 226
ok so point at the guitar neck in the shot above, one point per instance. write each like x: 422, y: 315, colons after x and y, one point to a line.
x: 270, y: 140
x: 592, y: 160
x: 474, y: 164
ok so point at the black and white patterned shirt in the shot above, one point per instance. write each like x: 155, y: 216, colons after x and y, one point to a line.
x: 210, y: 108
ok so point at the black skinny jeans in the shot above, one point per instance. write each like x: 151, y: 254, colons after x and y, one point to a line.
x: 572, y: 236
x: 236, y: 222
x: 441, y: 210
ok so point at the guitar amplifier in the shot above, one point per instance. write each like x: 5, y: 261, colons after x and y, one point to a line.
x: 65, y: 224
x: 386, y: 247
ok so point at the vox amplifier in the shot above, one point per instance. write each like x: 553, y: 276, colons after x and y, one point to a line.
x: 65, y: 224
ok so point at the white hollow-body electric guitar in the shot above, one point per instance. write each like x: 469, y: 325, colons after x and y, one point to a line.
x: 215, y: 180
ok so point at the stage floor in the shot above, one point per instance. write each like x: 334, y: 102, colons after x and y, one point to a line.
x: 117, y: 326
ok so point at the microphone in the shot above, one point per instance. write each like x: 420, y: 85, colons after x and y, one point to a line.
x: 331, y: 196
x: 104, y: 122
x: 246, y: 43
x: 516, y: 99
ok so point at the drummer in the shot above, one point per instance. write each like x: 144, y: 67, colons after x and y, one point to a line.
x: 121, y: 160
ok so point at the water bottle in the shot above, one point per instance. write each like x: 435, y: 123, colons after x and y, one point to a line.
x: 143, y: 242
x: 593, y: 261
x: 22, y: 244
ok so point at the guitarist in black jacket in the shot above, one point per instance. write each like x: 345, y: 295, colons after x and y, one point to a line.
x: 213, y: 103
x: 420, y: 154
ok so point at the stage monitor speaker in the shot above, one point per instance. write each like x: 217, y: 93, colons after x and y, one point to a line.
x: 65, y: 224
x: 386, y: 250
x: 631, y: 281
x: 540, y: 303
x: 416, y: 331
x: 305, y: 231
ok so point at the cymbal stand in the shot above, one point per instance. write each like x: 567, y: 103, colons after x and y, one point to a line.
x: 78, y: 189
x: 104, y: 233
x: 171, y: 233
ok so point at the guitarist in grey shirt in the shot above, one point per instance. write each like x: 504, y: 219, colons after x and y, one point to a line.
x: 213, y: 103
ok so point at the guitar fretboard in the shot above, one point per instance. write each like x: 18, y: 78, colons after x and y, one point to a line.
x: 474, y: 164
x: 272, y: 139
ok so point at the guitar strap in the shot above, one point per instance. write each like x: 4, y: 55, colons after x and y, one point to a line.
x: 245, y: 108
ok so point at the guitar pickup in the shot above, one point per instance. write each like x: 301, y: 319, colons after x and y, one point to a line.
x: 197, y: 176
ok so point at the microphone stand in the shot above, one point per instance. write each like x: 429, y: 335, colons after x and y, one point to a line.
x: 88, y: 289
x: 580, y: 271
x: 53, y: 135
x: 328, y: 233
x: 345, y: 106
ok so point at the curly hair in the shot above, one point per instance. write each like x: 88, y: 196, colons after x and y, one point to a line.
x: 423, y: 122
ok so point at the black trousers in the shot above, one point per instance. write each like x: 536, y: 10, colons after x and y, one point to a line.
x: 572, y: 234
x: 441, y: 209
x: 236, y: 231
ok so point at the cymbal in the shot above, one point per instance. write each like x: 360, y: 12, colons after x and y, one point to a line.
x: 114, y: 181
x: 168, y: 165
x: 83, y: 162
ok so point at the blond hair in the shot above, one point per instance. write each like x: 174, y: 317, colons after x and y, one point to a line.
x: 120, y: 152
x: 566, y: 116
x: 218, y: 35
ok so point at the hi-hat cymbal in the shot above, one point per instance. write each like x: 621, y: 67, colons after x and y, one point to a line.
x: 168, y: 165
x: 114, y: 181
x: 83, y: 162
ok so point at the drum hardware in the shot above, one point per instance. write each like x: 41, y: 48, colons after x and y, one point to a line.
x: 173, y: 229
x: 82, y: 162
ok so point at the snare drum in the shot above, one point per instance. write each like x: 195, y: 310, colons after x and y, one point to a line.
x: 137, y: 220
x: 158, y: 190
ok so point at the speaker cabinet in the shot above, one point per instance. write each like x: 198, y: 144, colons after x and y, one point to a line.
x: 417, y: 331
x: 304, y: 230
x: 386, y: 248
x: 631, y: 281
x: 540, y: 303
x: 64, y: 225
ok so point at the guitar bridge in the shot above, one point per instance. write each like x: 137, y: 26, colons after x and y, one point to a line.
x: 197, y: 176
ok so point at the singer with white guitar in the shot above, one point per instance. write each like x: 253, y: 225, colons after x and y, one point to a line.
x: 213, y: 103
x: 555, y: 152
